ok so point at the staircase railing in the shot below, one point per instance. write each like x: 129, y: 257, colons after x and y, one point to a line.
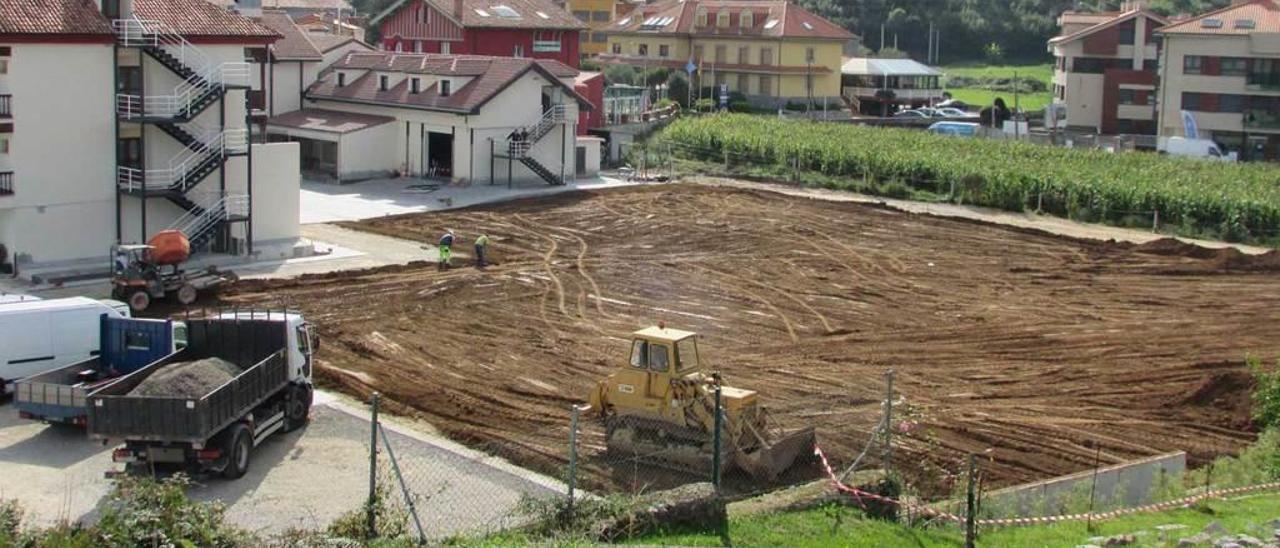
x: 209, y: 76
x: 536, y: 131
x: 182, y: 170
x: 198, y: 222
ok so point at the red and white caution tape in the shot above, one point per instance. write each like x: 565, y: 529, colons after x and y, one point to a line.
x: 859, y: 494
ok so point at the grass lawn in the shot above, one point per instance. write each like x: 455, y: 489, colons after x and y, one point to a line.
x: 981, y: 97
x: 842, y: 527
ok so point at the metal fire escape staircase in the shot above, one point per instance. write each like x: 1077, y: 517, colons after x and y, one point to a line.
x: 519, y: 150
x: 203, y: 83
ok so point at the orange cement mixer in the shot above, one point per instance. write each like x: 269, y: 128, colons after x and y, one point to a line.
x: 169, y: 247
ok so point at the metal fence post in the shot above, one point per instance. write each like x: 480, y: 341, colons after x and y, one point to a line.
x: 573, y: 453
x: 716, y: 439
x: 371, y: 505
x: 888, y: 422
x: 970, y: 525
x: 1097, y: 456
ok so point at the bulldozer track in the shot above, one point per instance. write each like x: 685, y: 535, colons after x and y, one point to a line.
x: 1019, y: 345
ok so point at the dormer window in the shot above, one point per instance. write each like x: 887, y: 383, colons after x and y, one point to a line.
x: 746, y: 20
x: 342, y: 79
x: 722, y: 19
x: 415, y: 85
x: 382, y: 82
x: 702, y: 17
x: 446, y: 87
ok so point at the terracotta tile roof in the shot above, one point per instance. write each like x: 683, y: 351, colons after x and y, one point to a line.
x: 529, y: 14
x: 489, y: 76
x: 199, y: 18
x: 1114, y: 20
x: 707, y: 66
x: 52, y: 17
x: 296, y: 45
x: 328, y: 121
x: 328, y: 42
x: 294, y: 4
x: 770, y: 19
x: 1257, y: 16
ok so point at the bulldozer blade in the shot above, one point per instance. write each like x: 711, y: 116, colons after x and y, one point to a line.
x: 771, y: 460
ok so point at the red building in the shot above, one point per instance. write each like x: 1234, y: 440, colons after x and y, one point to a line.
x: 502, y: 28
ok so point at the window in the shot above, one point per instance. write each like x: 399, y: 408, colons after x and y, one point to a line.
x: 642, y: 49
x: 658, y: 358
x: 4, y: 66
x: 617, y: 48
x: 599, y: 37
x: 722, y: 54
x: 1235, y: 66
x: 582, y: 15
x: 746, y: 20
x: 743, y: 79
x: 446, y: 87
x: 1232, y: 103
x: 722, y: 19
x: 382, y: 82
x: 1088, y: 65
x: 417, y: 46
x: 506, y: 12
x: 399, y: 46
x: 137, y: 340
x: 111, y: 9
x: 1191, y: 101
x: 1151, y: 97
x: 1127, y: 29
x: 766, y: 85
x: 600, y: 16
x: 640, y: 354
x: 766, y: 56
x: 702, y: 17
x: 129, y: 82
x: 1151, y: 65
x: 664, y: 50
x: 445, y: 47
x: 415, y: 85
x: 697, y: 53
x: 4, y: 145
x: 744, y: 55
x: 1126, y: 96
x: 342, y: 79
x: 517, y: 51
x: 1192, y: 64
x: 687, y: 354
x: 808, y: 55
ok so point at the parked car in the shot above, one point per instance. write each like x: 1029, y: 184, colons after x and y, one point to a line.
x: 910, y: 114
x: 930, y: 112
x: 962, y: 129
x: 1196, y: 148
x: 952, y: 112
x: 952, y: 103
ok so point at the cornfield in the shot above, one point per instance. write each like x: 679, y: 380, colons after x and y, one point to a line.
x: 1231, y: 201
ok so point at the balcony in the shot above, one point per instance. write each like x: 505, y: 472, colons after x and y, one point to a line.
x: 1268, y: 81
x: 6, y: 106
x: 1262, y: 119
x: 899, y: 94
x: 6, y: 183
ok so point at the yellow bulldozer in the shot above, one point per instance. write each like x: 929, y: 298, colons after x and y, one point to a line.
x: 662, y: 406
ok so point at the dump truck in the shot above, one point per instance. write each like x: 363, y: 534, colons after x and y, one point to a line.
x: 143, y: 273
x: 213, y: 432
x: 662, y: 405
x: 126, y: 345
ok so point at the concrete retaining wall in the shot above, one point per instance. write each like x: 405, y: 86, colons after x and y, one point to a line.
x: 1127, y: 484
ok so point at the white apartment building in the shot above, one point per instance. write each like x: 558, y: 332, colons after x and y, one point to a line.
x: 1105, y: 70
x: 121, y: 118
x: 1223, y: 69
x: 450, y: 118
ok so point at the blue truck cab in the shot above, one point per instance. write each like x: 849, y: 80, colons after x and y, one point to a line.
x: 127, y: 345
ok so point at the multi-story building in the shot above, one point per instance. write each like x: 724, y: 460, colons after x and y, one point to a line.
x: 598, y: 16
x: 1105, y: 70
x: 771, y: 51
x: 1223, y: 69
x: 123, y: 118
x: 507, y: 28
x: 444, y: 117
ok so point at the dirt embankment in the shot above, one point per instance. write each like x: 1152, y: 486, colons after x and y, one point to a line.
x: 1027, y: 348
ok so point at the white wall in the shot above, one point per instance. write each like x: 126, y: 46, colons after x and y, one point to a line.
x: 276, y: 187
x: 285, y: 82
x: 62, y: 152
x: 1084, y: 99
x: 366, y: 153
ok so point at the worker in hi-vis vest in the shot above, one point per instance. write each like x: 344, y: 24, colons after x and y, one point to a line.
x: 446, y: 250
x: 482, y: 245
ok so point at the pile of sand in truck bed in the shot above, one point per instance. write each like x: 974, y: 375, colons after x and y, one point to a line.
x: 191, y: 379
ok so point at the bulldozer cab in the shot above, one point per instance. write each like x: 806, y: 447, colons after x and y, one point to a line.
x: 666, y: 351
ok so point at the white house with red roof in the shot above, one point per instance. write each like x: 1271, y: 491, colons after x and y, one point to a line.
x: 122, y: 118
x: 539, y: 29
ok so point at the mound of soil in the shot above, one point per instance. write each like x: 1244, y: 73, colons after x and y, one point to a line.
x: 191, y: 379
x: 1226, y: 391
x: 1214, y: 259
x: 1177, y: 248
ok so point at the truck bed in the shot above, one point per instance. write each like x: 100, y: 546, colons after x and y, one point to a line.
x: 259, y: 347
x: 57, y: 395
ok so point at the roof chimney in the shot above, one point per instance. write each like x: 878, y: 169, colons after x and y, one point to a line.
x: 249, y: 8
x: 457, y: 9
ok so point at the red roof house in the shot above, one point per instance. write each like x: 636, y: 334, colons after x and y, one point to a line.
x: 505, y: 28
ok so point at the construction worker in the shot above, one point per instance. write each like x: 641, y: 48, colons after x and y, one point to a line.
x: 482, y: 245
x: 446, y: 250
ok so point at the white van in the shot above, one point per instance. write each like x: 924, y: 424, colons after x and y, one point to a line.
x: 36, y: 336
x: 1196, y: 148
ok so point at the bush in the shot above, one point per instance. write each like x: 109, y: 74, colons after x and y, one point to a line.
x: 1266, y: 393
x: 146, y: 512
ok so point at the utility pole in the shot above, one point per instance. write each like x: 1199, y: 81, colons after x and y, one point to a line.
x: 928, y: 56
x: 881, y: 36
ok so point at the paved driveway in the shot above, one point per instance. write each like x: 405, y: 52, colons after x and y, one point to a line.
x: 303, y: 479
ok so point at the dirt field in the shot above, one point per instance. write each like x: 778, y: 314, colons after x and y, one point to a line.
x: 1024, y: 347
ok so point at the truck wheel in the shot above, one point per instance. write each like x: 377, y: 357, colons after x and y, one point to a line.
x: 187, y: 294
x: 239, y: 445
x: 139, y: 300
x: 297, y: 407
